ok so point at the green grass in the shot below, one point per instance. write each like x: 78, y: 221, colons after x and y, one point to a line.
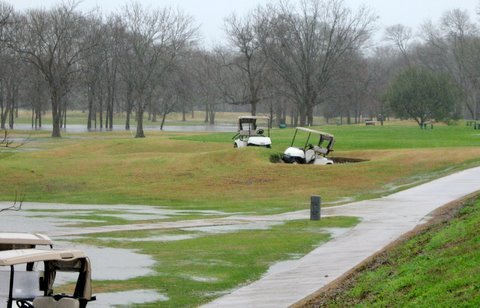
x: 359, y: 137
x: 169, y: 169
x: 199, y: 171
x: 194, y: 271
x: 437, y: 268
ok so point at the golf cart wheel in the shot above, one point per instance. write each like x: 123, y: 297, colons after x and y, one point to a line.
x: 288, y: 159
x: 299, y: 161
x: 235, y: 145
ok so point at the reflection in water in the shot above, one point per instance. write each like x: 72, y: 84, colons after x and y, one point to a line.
x: 81, y: 128
x: 127, y: 298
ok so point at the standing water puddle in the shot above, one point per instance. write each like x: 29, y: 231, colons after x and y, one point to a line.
x: 107, y: 263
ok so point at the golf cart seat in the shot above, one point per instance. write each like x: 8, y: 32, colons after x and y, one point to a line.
x: 320, y: 150
x: 247, y: 133
x: 51, y: 302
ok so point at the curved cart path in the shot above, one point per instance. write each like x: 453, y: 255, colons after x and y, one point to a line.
x: 383, y: 221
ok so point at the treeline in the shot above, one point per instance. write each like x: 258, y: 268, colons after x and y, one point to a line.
x: 287, y: 59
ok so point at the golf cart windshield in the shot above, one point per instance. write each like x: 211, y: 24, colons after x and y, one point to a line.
x: 253, y: 125
x: 19, y: 285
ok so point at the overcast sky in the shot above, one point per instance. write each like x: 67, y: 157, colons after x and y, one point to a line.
x: 210, y: 14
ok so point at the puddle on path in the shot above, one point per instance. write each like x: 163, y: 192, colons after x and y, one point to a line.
x: 113, y: 263
x: 122, y: 264
x: 50, y: 218
x: 107, y: 263
x: 203, y: 279
x: 126, y: 212
x: 287, y: 265
x: 339, y: 201
x: 159, y: 238
x: 257, y: 225
x: 127, y: 298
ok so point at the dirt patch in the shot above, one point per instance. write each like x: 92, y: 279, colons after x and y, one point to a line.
x: 277, y: 158
x: 347, y: 160
x: 331, y: 291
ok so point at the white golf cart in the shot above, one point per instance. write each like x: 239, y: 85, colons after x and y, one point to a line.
x: 251, y: 134
x: 27, y: 278
x: 309, y: 153
x: 14, y: 240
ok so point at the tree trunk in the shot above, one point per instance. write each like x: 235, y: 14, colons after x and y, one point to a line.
x: 127, y: 121
x: 206, y: 113
x: 64, y: 115
x: 90, y: 109
x: 101, y: 112
x: 11, y: 118
x: 129, y: 106
x: 253, y: 103
x: 38, y: 116
x: 164, y: 115
x: 303, y: 118
x: 139, y: 117
x: 310, y: 115
x: 2, y: 109
x: 33, y: 117
x: 13, y: 107
x: 212, y: 116
x: 56, y: 117
x: 111, y: 100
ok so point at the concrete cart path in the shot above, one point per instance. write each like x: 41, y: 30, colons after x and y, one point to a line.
x: 383, y: 221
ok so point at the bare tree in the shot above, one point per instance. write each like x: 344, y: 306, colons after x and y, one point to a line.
x: 349, y: 94
x: 53, y: 42
x: 305, y: 43
x: 8, y: 83
x: 155, y: 38
x: 400, y: 36
x: 209, y: 73
x: 249, y: 59
x: 453, y: 46
x: 16, y: 206
x: 92, y: 76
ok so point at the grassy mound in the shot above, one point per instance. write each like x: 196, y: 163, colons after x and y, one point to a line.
x: 203, y: 171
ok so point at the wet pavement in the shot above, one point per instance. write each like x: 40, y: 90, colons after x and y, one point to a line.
x: 82, y: 128
x: 383, y: 221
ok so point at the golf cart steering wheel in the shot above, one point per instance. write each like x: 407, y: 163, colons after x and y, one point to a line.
x: 21, y: 303
x: 260, y: 131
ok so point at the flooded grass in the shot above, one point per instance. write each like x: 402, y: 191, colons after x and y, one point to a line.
x: 192, y: 271
x: 201, y: 176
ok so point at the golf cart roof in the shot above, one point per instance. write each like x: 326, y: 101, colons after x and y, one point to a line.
x: 21, y: 256
x: 312, y: 131
x: 24, y: 239
x: 253, y: 117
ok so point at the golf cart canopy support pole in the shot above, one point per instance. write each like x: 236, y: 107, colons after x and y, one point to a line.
x: 10, y: 291
x: 308, y: 139
x: 294, y: 135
